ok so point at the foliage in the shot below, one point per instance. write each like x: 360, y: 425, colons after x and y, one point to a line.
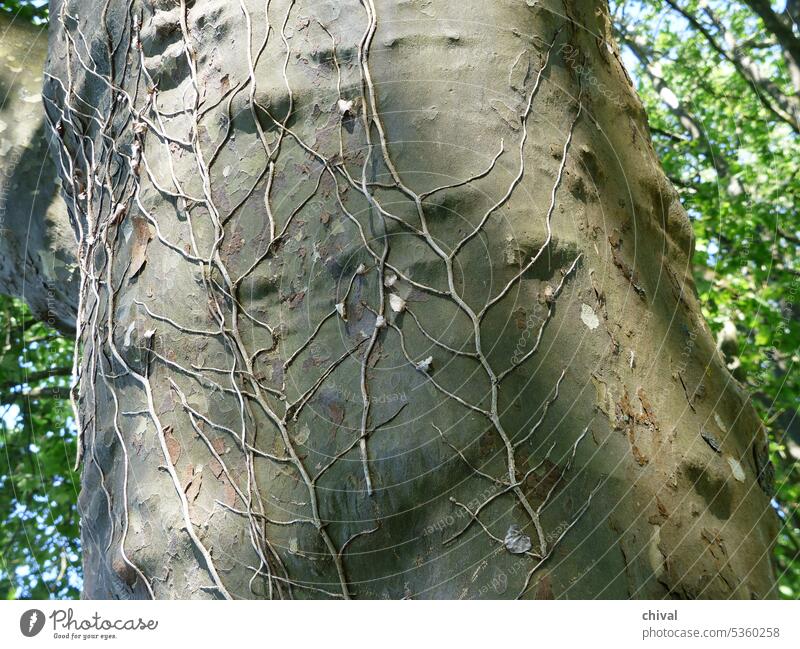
x: 39, y: 546
x: 32, y: 11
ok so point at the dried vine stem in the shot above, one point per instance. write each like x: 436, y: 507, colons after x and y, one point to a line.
x: 113, y: 164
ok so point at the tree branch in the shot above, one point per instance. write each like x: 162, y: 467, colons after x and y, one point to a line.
x: 34, y: 377
x: 783, y: 107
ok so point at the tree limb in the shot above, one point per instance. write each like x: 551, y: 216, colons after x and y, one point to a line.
x: 783, y: 107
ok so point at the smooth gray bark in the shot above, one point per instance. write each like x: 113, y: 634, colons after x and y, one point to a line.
x: 37, y: 246
x: 387, y: 299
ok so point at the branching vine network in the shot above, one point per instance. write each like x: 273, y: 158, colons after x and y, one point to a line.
x: 106, y: 155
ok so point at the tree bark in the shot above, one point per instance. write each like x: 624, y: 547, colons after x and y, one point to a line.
x: 37, y: 246
x: 386, y: 300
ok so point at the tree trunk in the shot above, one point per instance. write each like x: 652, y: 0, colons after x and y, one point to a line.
x: 389, y: 300
x: 37, y: 246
